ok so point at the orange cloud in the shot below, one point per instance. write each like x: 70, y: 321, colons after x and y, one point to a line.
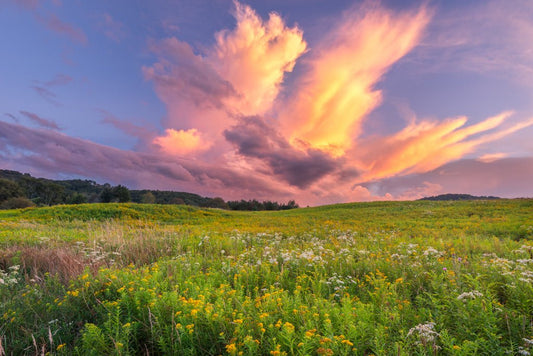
x: 423, y: 146
x: 338, y: 91
x: 254, y: 56
x: 181, y: 142
x: 491, y: 157
x: 240, y: 75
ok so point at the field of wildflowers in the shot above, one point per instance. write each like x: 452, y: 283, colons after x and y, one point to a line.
x: 387, y: 278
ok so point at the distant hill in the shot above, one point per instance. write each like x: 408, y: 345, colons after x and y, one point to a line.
x: 19, y: 190
x: 459, y: 197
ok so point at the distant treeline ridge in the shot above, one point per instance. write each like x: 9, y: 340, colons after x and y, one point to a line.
x: 20, y: 190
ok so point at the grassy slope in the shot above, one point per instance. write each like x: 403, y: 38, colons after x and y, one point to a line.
x: 502, y: 218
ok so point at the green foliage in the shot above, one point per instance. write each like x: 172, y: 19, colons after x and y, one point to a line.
x: 148, y: 198
x: 9, y: 189
x: 76, y: 191
x: 77, y: 198
x: 255, y: 205
x: 384, y: 278
x: 16, y: 203
x: 458, y: 197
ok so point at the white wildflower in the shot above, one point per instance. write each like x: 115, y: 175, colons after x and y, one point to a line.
x: 426, y: 333
x: 522, y: 351
x: 469, y: 295
x: 430, y: 251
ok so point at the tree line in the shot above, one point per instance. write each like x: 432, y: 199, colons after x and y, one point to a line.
x: 21, y: 190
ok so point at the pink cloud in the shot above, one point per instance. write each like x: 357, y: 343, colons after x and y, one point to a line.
x: 46, y: 95
x: 40, y: 121
x: 229, y: 132
x: 28, y: 4
x: 59, y: 80
x: 52, y: 153
x: 112, y: 29
x: 53, y: 23
x: 240, y: 75
x: 506, y: 177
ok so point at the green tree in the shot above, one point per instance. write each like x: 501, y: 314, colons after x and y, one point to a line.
x: 16, y: 203
x: 77, y: 198
x: 218, y: 203
x: 122, y: 194
x: 148, y: 198
x: 107, y: 195
x: 9, y: 189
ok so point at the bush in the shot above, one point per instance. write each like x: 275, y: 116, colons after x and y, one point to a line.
x: 17, y: 203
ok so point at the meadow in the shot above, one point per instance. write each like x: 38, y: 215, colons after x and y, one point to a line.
x: 382, y: 278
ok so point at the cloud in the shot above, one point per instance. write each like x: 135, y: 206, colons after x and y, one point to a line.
x: 58, y: 80
x: 186, y: 83
x: 244, y: 121
x: 241, y: 74
x: 43, y: 89
x: 112, y: 29
x: 488, y: 36
x: 338, y: 90
x: 53, y: 23
x: 28, y: 4
x: 491, y: 157
x: 181, y: 142
x: 46, y: 95
x: 506, y: 177
x: 425, y: 145
x: 141, y: 132
x: 54, y: 154
x: 253, y: 138
x: 40, y: 121
x: 254, y: 57
x: 12, y: 117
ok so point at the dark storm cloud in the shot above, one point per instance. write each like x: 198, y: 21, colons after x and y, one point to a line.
x: 254, y: 138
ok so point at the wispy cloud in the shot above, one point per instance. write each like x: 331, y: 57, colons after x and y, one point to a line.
x: 425, y: 145
x: 46, y: 95
x: 506, y: 177
x: 28, y: 4
x: 55, y: 24
x: 338, y: 90
x: 59, y: 80
x: 44, y: 88
x: 40, y: 121
x: 487, y: 37
x: 12, y: 117
x: 112, y: 28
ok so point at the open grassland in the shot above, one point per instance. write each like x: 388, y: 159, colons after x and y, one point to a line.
x: 393, y: 278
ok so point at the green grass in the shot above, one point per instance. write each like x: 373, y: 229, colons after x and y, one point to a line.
x: 383, y: 278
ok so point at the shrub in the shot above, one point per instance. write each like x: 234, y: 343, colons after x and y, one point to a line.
x: 17, y: 203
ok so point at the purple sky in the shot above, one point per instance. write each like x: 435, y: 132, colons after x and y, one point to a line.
x: 318, y: 101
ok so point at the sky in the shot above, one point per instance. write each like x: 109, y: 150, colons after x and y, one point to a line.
x: 320, y: 101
